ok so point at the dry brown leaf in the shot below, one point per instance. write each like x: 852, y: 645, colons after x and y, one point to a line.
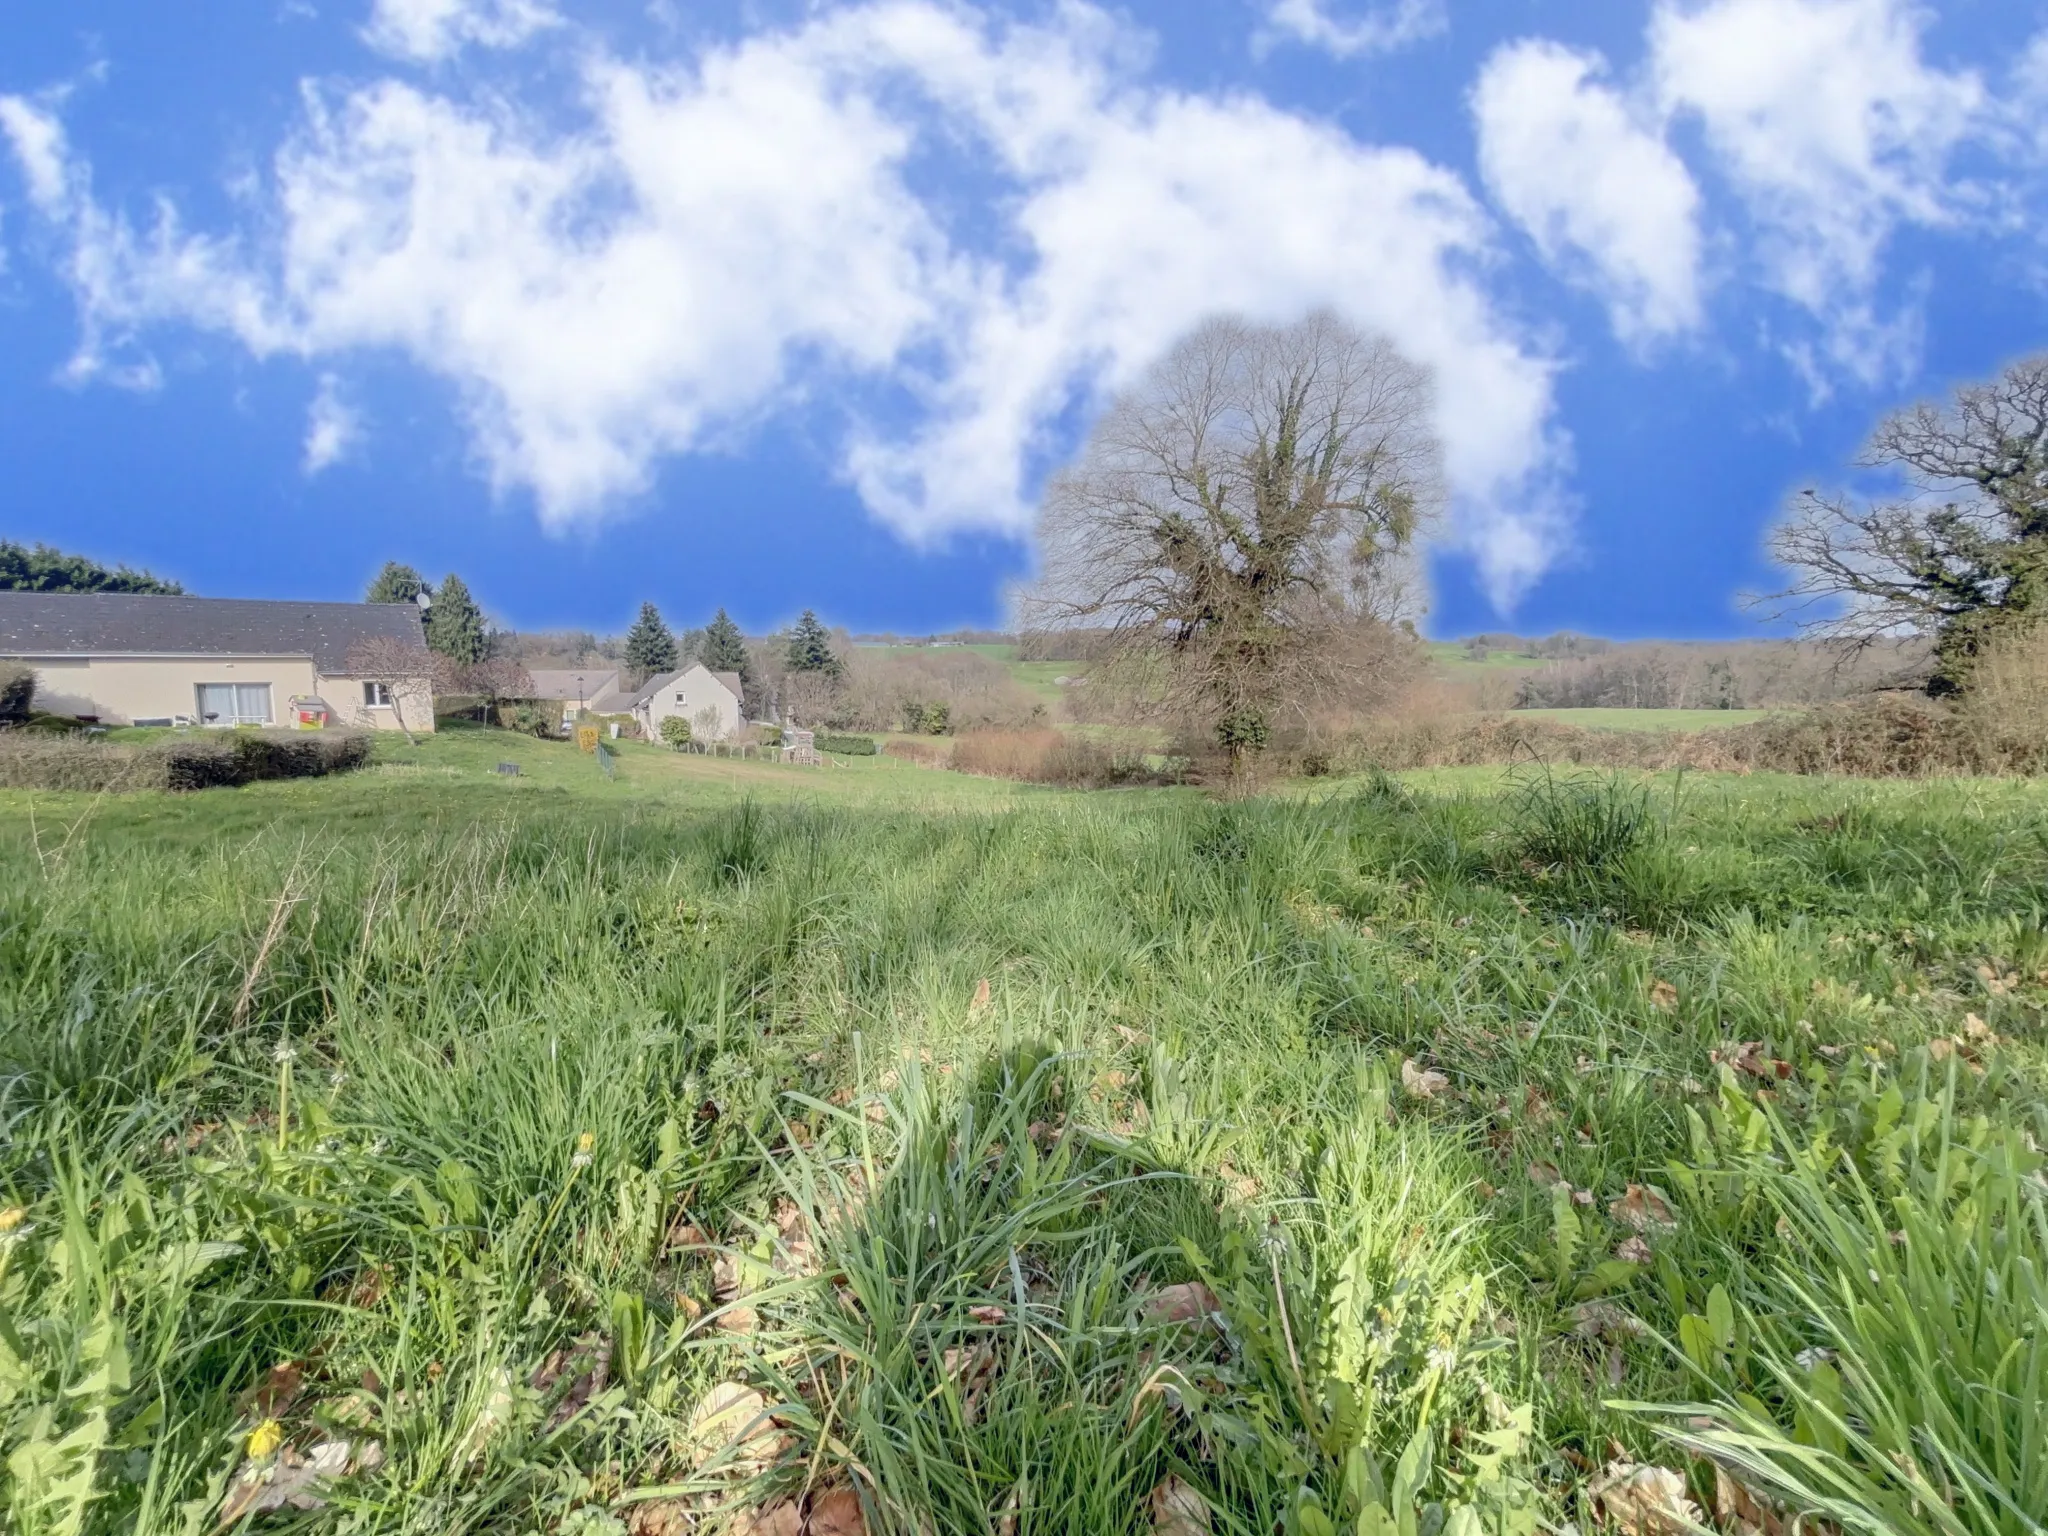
x: 837, y: 1512
x: 1644, y: 1208
x: 1131, y: 1036
x: 292, y: 1480
x: 1663, y: 995
x: 1543, y: 1174
x: 660, y: 1517
x: 1177, y: 1510
x: 1940, y: 1049
x: 1752, y: 1058
x: 277, y: 1391
x: 981, y: 995
x: 737, y: 1320
x: 1633, y: 1250
x: 1644, y: 1501
x: 1604, y: 1320
x: 1422, y: 1083
x: 1189, y: 1302
x: 726, y: 1413
x: 782, y: 1518
x: 1739, y: 1508
x: 988, y: 1314
x: 970, y: 1368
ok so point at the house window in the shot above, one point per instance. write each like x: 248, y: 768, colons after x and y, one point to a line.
x: 679, y: 698
x: 376, y: 695
x: 234, y: 703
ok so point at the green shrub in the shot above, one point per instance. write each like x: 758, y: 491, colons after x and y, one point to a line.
x: 178, y: 763
x: 17, y: 692
x: 1580, y: 821
x: 675, y: 730
x: 848, y: 746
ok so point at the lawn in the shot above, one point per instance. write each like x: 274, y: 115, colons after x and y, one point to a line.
x: 732, y: 1147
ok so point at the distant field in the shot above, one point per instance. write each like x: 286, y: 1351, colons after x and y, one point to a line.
x: 1034, y: 677
x: 1647, y: 719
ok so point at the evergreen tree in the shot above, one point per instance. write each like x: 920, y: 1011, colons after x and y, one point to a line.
x: 455, y: 625
x: 650, y: 648
x: 396, y: 584
x: 725, y: 648
x: 43, y: 569
x: 810, y: 647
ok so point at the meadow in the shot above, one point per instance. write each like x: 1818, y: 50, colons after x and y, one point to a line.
x: 723, y: 1146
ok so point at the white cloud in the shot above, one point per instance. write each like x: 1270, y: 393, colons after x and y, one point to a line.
x: 719, y: 239
x: 332, y: 427
x: 1376, y: 29
x: 1834, y: 130
x: 37, y: 139
x: 1595, y: 185
x: 432, y: 30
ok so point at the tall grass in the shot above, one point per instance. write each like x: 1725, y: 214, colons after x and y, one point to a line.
x: 502, y: 1142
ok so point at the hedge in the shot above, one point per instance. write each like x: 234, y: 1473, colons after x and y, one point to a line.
x: 35, y: 761
x: 847, y: 746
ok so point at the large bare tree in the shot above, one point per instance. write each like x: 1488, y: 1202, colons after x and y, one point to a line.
x: 1239, y: 519
x: 1960, y: 555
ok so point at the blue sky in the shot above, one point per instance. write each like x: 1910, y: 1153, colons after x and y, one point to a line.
x: 783, y: 305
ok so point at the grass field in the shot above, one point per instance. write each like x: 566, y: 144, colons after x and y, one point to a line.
x: 733, y: 1147
x: 1647, y: 719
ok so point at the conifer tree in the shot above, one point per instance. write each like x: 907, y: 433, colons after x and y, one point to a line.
x: 810, y: 647
x: 396, y: 584
x: 455, y: 625
x: 650, y: 647
x: 725, y: 648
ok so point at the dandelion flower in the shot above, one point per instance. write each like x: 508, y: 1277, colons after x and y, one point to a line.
x: 264, y: 1439
x: 583, y: 1145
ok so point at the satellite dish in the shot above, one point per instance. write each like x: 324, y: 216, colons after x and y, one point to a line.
x: 424, y: 600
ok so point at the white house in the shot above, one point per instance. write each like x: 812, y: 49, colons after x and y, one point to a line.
x: 128, y: 658
x: 710, y: 701
x: 595, y: 689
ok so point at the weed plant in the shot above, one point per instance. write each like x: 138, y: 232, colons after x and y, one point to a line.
x: 414, y: 1156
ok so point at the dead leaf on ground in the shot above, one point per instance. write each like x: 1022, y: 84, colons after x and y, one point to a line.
x: 988, y: 1314
x: 660, y: 1517
x: 1189, y: 1302
x: 970, y: 1368
x: 293, y: 1480
x: 981, y: 995
x: 1663, y: 995
x: 585, y: 1362
x: 1543, y: 1174
x: 837, y: 1512
x: 1177, y: 1510
x: 732, y: 1421
x: 1604, y: 1320
x: 1752, y: 1058
x: 1644, y: 1501
x: 1131, y: 1036
x: 1742, y: 1509
x: 1644, y: 1208
x: 1633, y: 1250
x: 1422, y: 1083
x: 782, y: 1518
x: 277, y: 1391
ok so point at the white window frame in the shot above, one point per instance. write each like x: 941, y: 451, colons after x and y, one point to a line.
x: 376, y: 695
x: 236, y: 690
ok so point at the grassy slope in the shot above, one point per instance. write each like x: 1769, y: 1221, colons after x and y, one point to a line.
x: 523, y: 1033
x: 1647, y: 719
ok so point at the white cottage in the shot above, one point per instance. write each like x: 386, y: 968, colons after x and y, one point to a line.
x: 712, y: 702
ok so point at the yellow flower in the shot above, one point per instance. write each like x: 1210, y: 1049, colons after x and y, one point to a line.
x: 585, y: 1142
x: 264, y: 1439
x: 11, y: 1218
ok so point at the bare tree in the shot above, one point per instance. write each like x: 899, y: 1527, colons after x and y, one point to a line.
x: 1962, y: 554
x: 1247, y: 503
x: 411, y: 674
x: 494, y: 680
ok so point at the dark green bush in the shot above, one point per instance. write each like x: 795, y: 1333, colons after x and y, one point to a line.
x: 34, y: 761
x: 17, y: 692
x: 848, y: 746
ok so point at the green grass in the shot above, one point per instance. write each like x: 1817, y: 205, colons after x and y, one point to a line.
x: 1387, y: 1148
x: 1647, y: 719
